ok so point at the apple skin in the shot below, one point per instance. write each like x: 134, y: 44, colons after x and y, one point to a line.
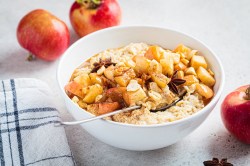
x: 43, y: 34
x: 235, y: 113
x: 85, y: 21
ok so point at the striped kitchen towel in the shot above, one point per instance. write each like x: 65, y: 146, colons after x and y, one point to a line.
x: 27, y: 133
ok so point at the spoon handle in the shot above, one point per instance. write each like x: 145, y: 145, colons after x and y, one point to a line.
x: 97, y: 117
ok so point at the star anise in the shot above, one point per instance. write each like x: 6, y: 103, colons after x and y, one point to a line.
x: 102, y: 62
x: 216, y: 162
x: 175, y: 82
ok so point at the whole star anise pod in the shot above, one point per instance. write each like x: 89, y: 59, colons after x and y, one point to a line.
x: 175, y: 82
x: 102, y: 62
x: 217, y: 162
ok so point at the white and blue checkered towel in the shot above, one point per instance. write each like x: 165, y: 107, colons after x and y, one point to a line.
x: 27, y: 133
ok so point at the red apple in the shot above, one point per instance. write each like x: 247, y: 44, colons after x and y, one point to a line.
x: 43, y: 34
x: 87, y: 16
x: 235, y: 113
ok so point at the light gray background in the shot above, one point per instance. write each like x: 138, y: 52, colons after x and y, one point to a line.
x: 222, y: 24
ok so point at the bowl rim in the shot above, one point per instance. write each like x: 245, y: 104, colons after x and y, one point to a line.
x: 210, y: 105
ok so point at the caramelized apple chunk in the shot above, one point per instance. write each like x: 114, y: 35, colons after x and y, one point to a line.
x: 204, y: 91
x: 93, y: 92
x: 205, y: 76
x: 198, y: 61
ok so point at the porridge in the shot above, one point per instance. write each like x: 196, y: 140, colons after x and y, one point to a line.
x: 146, y: 75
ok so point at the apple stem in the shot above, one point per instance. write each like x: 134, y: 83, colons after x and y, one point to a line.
x: 90, y: 4
x: 248, y: 93
x: 31, y: 57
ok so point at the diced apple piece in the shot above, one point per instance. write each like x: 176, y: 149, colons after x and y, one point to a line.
x: 191, y: 54
x: 109, y: 72
x: 130, y: 63
x: 132, y: 97
x: 160, y: 79
x: 101, y: 70
x: 139, y: 80
x: 205, y: 77
x: 176, y: 57
x: 210, y: 72
x: 198, y: 61
x: 182, y: 49
x: 182, y: 56
x: 185, y: 61
x: 95, y: 78
x: 116, y: 93
x: 107, y: 107
x: 131, y: 73
x: 82, y: 104
x: 83, y: 80
x: 74, y: 88
x: 141, y: 64
x: 118, y: 71
x: 204, y: 91
x: 190, y: 79
x: 124, y: 79
x: 167, y: 65
x: 75, y: 99
x: 180, y: 66
x: 154, y: 67
x: 133, y: 86
x: 94, y: 91
x: 153, y: 52
x: 154, y: 95
x: 180, y: 74
x: 154, y: 87
x: 190, y: 71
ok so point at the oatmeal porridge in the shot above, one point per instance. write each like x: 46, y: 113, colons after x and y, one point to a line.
x: 146, y: 75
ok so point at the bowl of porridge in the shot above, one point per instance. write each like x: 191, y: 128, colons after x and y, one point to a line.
x: 175, y: 79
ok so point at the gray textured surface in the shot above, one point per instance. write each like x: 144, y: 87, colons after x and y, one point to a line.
x: 222, y: 25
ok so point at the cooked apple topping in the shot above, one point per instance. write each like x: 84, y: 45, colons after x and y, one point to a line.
x: 147, y: 75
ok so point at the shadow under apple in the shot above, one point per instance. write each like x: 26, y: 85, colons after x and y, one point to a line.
x: 15, y: 64
x: 223, y: 145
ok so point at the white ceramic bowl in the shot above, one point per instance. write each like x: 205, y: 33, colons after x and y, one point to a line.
x: 127, y: 136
